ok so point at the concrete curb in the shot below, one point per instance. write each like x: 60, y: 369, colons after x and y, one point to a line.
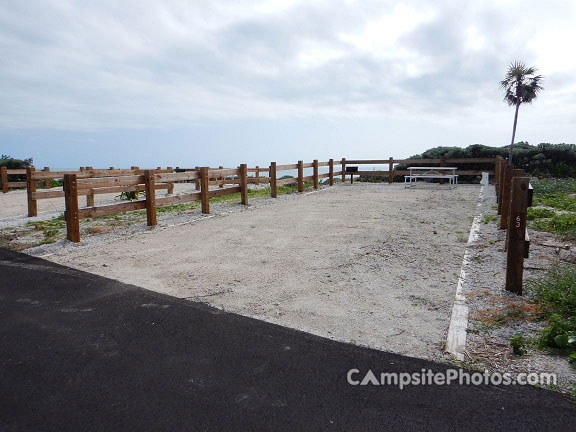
x: 457, y: 331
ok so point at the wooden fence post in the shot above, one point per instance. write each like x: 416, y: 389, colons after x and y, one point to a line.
x: 257, y: 175
x: 343, y: 170
x: 300, y: 176
x: 244, y: 184
x: 4, y: 178
x: 273, y: 184
x: 315, y: 167
x: 204, y: 183
x: 390, y: 170
x: 517, y: 234
x: 504, y: 194
x: 331, y: 172
x: 503, y: 169
x: 198, y: 178
x: 46, y: 181
x: 221, y: 178
x: 90, y: 199
x: 149, y: 185
x: 71, y: 213
x: 507, y: 194
x: 31, y: 191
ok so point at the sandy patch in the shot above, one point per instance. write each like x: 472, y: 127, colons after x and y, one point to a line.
x: 372, y: 264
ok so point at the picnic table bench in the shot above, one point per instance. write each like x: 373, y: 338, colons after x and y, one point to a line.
x: 416, y: 173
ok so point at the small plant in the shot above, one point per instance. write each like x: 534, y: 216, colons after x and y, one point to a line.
x: 488, y: 218
x: 518, y: 345
x: 130, y: 196
x: 560, y: 333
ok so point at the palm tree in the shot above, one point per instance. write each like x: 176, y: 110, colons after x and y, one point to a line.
x: 521, y: 85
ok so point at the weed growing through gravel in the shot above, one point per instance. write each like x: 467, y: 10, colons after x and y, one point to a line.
x: 488, y: 218
x: 50, y: 228
x: 518, y: 344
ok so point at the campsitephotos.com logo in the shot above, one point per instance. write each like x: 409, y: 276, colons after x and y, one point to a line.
x: 447, y: 377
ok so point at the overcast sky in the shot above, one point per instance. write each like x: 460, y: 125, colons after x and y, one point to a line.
x: 168, y: 82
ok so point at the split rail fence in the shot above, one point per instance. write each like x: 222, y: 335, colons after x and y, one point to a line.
x: 205, y: 177
x: 90, y: 182
x: 32, y: 176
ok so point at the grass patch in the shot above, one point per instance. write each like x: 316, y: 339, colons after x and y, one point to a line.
x: 539, y: 213
x: 488, y: 218
x: 559, y: 198
x: 562, y: 224
x: 553, y: 186
x: 556, y: 292
x: 50, y: 228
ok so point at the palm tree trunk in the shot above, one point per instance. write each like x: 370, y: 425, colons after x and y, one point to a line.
x: 513, y: 135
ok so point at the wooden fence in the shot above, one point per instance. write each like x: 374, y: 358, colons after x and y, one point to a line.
x: 32, y: 176
x: 7, y: 184
x: 76, y: 185
x: 89, y: 182
x: 392, y: 172
x: 514, y: 196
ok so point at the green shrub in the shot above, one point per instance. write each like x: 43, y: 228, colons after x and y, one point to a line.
x: 560, y: 333
x: 518, y: 344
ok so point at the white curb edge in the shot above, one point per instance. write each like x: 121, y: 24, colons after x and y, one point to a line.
x: 457, y: 331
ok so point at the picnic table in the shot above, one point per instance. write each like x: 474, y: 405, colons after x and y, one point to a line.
x: 446, y: 173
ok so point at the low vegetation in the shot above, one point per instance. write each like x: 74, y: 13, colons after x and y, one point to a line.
x: 556, y: 292
x: 554, y: 208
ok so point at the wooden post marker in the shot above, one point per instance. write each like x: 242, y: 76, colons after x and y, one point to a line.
x: 149, y: 185
x: 244, y: 184
x: 331, y: 172
x: 221, y: 178
x: 31, y: 191
x: 343, y: 170
x: 517, y: 235
x: 300, y: 176
x: 273, y: 184
x: 390, y: 170
x: 46, y: 181
x: 257, y: 174
x: 315, y: 168
x: 204, y: 183
x: 198, y: 180
x: 4, y: 178
x: 505, y: 196
x: 71, y: 214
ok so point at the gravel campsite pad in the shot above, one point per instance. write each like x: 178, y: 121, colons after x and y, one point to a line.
x: 371, y: 264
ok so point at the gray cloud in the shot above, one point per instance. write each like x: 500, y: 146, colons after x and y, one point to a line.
x: 66, y: 64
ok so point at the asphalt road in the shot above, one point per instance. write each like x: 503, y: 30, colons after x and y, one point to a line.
x: 82, y: 352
